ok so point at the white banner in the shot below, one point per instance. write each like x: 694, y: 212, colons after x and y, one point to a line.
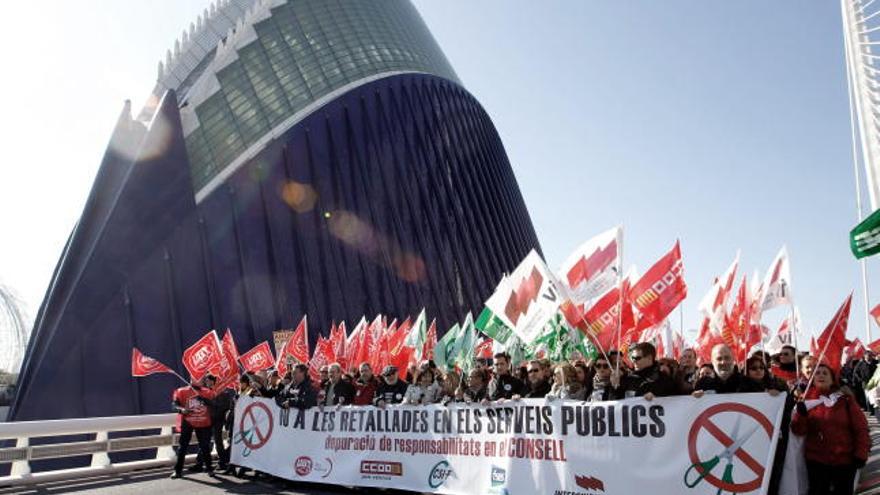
x: 671, y: 445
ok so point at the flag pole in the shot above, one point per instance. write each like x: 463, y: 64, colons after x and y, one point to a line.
x: 851, y: 70
x: 794, y: 336
x: 619, y: 304
x: 822, y: 354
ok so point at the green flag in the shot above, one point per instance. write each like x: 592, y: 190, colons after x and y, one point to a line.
x: 464, y: 348
x: 492, y: 326
x: 443, y: 352
x: 864, y: 239
x: 417, y: 336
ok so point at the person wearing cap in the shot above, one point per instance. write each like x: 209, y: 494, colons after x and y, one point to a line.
x: 391, y: 389
x: 337, y: 391
x: 193, y: 415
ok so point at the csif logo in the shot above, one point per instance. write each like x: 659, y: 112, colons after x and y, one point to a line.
x: 441, y: 472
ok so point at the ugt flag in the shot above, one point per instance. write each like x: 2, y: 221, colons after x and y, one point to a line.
x: 257, y: 359
x: 660, y: 289
x: 594, y: 267
x: 203, y: 356
x: 143, y: 365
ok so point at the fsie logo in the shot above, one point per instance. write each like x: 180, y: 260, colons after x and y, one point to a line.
x: 498, y: 482
x: 381, y: 468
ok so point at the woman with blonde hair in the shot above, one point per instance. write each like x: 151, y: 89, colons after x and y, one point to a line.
x: 566, y: 384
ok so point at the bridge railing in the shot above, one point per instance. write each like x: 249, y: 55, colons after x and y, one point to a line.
x: 21, y: 455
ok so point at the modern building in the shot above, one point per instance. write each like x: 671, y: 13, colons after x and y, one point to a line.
x: 297, y: 157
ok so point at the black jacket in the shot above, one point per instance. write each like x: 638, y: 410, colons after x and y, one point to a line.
x: 474, y: 395
x: 735, y: 383
x: 642, y: 381
x: 299, y: 396
x: 538, y: 391
x: 504, y: 387
x: 343, y: 392
x: 391, y: 394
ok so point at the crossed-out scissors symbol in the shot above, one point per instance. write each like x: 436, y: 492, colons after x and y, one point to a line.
x: 704, y: 468
x: 247, y: 436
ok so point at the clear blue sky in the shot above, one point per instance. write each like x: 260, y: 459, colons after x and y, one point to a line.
x: 724, y: 124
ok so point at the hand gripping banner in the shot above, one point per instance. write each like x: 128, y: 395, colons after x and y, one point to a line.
x: 675, y: 445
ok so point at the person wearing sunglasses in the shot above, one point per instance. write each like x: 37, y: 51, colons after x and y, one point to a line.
x: 538, y: 385
x: 646, y: 380
x: 601, y: 380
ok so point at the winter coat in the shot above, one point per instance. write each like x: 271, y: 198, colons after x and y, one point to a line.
x: 836, y: 430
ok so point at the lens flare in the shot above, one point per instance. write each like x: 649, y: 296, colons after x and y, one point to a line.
x: 299, y: 196
x: 362, y: 237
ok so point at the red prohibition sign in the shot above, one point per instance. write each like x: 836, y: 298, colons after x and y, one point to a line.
x: 704, y: 422
x: 255, y: 428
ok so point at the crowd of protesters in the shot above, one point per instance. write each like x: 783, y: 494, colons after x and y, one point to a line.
x: 824, y: 409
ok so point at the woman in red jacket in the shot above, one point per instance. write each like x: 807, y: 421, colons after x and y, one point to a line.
x: 837, y: 439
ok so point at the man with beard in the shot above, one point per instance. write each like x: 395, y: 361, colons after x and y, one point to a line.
x: 391, y: 389
x: 365, y: 386
x: 538, y: 384
x: 727, y: 379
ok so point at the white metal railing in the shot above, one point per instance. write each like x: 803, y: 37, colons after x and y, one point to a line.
x: 99, y: 449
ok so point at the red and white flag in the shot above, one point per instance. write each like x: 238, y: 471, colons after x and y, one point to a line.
x: 776, y: 289
x: 203, y: 356
x: 833, y: 339
x: 660, y: 289
x: 323, y: 356
x: 337, y: 338
x: 594, y: 267
x: 876, y: 314
x: 720, y: 289
x: 296, y: 349
x: 257, y: 359
x: 855, y: 350
x: 143, y: 365
x: 430, y: 341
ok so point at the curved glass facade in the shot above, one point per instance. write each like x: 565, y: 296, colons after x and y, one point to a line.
x: 298, y: 52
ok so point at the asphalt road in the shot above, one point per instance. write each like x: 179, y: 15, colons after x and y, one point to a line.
x: 157, y: 482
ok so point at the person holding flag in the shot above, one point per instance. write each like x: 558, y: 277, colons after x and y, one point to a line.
x: 193, y: 415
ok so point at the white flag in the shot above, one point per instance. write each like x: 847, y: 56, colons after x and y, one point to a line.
x: 593, y: 268
x: 777, y: 282
x: 720, y: 289
x: 527, y: 299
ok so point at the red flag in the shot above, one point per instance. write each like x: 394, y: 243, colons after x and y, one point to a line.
x: 876, y: 314
x: 875, y: 346
x: 483, y: 350
x: 142, y: 365
x: 337, y: 338
x: 227, y: 371
x: 203, y: 356
x: 855, y: 350
x: 661, y: 289
x: 321, y: 357
x: 430, y: 341
x: 257, y: 359
x: 353, y: 344
x: 295, y: 350
x: 833, y: 338
x: 602, y: 321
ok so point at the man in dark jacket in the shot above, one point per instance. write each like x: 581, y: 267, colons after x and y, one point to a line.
x: 503, y: 385
x: 539, y: 386
x: 220, y: 407
x: 391, y: 389
x: 299, y: 393
x: 727, y: 379
x: 337, y: 391
x: 646, y: 380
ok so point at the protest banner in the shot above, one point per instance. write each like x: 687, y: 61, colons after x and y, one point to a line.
x: 674, y: 445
